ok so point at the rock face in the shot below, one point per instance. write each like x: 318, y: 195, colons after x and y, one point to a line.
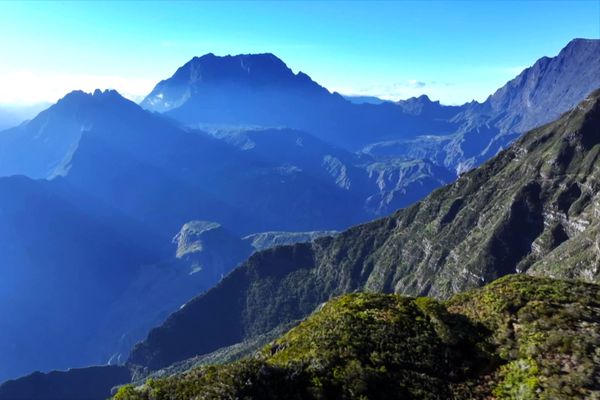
x: 528, y: 207
x: 517, y: 338
x: 61, y: 266
x: 210, y: 249
x: 548, y: 88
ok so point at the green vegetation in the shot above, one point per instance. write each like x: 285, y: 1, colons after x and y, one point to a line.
x: 520, y: 337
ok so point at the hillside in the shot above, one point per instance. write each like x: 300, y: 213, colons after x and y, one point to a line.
x: 95, y: 237
x: 527, y: 205
x: 519, y: 337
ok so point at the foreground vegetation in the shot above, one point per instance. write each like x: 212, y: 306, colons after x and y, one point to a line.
x: 518, y: 338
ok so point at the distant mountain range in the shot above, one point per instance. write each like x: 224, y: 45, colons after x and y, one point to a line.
x: 364, y: 99
x: 259, y: 89
x: 126, y: 213
x: 531, y: 210
x: 120, y: 183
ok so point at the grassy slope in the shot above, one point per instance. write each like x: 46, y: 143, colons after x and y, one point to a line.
x: 518, y: 338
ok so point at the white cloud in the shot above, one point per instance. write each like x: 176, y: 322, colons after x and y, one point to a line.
x: 26, y: 87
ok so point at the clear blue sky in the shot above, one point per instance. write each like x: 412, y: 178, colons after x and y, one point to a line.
x: 454, y: 51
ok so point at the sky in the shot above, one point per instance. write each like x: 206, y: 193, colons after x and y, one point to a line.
x: 453, y: 51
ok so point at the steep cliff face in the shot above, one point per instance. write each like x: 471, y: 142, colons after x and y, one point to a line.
x: 520, y: 210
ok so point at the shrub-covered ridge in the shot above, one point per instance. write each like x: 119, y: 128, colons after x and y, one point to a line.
x: 518, y: 338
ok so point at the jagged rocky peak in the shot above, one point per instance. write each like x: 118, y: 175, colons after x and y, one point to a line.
x: 94, y: 105
x: 78, y: 96
x: 417, y: 100
x: 415, y: 105
x: 424, y: 106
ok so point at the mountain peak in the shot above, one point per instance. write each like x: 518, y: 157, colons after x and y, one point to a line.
x: 210, y: 75
x: 552, y: 83
x: 422, y: 99
x: 212, y: 67
x: 582, y: 42
x: 78, y: 96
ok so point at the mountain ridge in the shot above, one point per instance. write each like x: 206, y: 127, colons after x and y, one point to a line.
x: 459, y: 237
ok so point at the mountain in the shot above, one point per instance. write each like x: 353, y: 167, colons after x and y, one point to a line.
x: 250, y: 91
x: 538, y: 95
x: 517, y: 338
x: 43, y: 147
x: 61, y: 267
x: 533, y: 204
x: 259, y: 89
x: 548, y: 88
x: 113, y: 151
x: 483, y: 129
x: 139, y: 180
x: 424, y: 106
x: 94, y: 239
x: 364, y: 99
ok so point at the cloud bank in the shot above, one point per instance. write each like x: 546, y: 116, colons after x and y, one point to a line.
x: 22, y: 88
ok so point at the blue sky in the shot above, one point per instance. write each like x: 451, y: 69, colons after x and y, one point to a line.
x: 453, y: 51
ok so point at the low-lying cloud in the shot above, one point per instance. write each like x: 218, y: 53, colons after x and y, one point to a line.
x: 31, y: 88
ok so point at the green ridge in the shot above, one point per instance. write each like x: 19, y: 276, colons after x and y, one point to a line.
x: 520, y: 337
